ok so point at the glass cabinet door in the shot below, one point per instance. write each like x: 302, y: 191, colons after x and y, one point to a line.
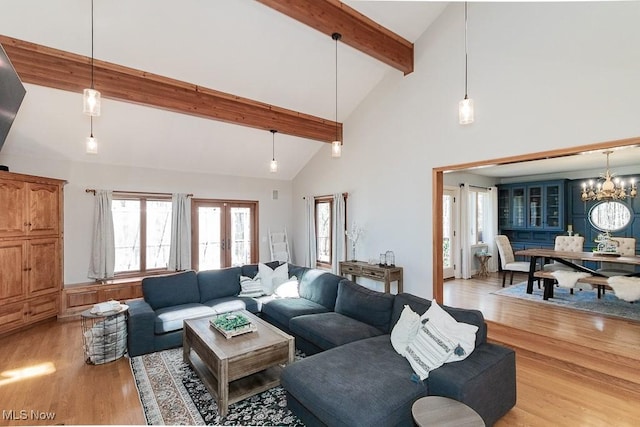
x: 504, y: 204
x: 553, y: 207
x: 519, y: 207
x: 535, y: 207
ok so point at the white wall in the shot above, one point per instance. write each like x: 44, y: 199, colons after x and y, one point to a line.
x: 542, y: 76
x: 78, y: 205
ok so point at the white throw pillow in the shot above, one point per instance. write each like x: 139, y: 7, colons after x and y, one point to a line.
x: 271, y: 279
x: 288, y: 289
x: 251, y: 287
x: 405, y: 330
x: 429, y: 349
x: 463, y: 334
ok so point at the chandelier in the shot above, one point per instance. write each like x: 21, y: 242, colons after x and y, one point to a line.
x: 612, y: 188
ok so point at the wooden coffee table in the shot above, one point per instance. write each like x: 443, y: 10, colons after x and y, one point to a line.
x: 236, y: 368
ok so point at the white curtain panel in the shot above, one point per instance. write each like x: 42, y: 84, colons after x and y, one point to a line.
x: 180, y: 249
x: 492, y: 229
x: 310, y: 256
x: 465, y: 246
x: 338, y: 238
x: 103, y: 252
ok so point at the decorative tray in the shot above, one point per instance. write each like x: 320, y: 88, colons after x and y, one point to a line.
x: 232, y: 324
x: 605, y: 253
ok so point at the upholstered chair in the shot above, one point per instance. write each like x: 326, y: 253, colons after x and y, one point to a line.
x: 507, y: 259
x: 626, y: 247
x: 565, y: 244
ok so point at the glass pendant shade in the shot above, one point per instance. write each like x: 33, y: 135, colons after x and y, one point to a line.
x: 336, y: 149
x: 91, y: 102
x: 273, y: 166
x: 465, y: 111
x: 91, y: 145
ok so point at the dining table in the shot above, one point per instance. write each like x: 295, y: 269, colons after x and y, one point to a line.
x: 572, y: 260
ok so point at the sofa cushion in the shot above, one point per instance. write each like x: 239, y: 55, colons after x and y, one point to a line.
x: 405, y: 330
x: 364, y: 304
x: 319, y: 286
x: 460, y: 333
x: 251, y: 287
x: 224, y: 282
x: 328, y: 330
x: 283, y: 310
x: 298, y: 271
x: 272, y: 277
x: 429, y: 349
x: 420, y: 306
x: 171, y: 290
x: 170, y: 319
x: 321, y: 382
x: 226, y: 304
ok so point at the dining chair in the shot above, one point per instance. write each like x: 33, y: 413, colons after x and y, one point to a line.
x: 565, y: 244
x: 508, y: 261
x: 626, y: 247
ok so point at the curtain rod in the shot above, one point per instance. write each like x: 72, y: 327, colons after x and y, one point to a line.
x: 91, y: 190
x: 476, y: 186
x: 345, y: 195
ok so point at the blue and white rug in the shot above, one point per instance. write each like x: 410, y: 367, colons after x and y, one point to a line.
x: 586, y: 300
x: 172, y: 394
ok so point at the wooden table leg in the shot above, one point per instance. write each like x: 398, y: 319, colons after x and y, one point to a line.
x: 532, y: 270
x: 223, y: 388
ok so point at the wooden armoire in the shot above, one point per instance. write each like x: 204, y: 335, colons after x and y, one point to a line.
x: 31, y: 247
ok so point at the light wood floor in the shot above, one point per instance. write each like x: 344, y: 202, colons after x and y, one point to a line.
x: 573, y: 369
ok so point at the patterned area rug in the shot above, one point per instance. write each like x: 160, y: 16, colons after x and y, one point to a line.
x: 172, y: 394
x: 586, y: 300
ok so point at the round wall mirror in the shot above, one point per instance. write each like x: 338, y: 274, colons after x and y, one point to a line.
x: 610, y: 216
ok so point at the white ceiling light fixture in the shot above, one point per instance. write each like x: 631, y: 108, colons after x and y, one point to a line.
x: 273, y: 166
x: 336, y: 145
x: 91, y: 97
x: 91, y: 143
x: 610, y: 189
x: 465, y: 107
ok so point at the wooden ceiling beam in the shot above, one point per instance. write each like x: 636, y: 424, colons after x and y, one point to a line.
x: 45, y: 66
x: 358, y: 31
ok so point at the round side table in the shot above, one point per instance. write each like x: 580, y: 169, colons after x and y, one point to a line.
x: 444, y: 412
x: 104, y: 335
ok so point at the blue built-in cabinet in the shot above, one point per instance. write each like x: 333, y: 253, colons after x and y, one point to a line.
x: 533, y: 213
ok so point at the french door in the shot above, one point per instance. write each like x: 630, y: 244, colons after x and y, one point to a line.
x: 224, y: 233
x: 448, y: 232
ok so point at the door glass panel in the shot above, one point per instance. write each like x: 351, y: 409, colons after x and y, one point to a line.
x: 209, y: 244
x: 323, y: 234
x: 158, y: 233
x: 446, y: 231
x: 240, y: 236
x: 126, y: 233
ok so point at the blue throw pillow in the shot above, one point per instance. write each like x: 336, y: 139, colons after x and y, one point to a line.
x: 365, y: 305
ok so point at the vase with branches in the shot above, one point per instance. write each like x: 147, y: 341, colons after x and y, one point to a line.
x: 353, y: 235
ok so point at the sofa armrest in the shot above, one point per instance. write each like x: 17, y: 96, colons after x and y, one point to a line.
x: 140, y: 327
x: 484, y: 381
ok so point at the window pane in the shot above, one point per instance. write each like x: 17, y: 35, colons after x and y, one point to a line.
x: 158, y: 233
x: 240, y: 236
x: 323, y: 227
x: 209, y: 238
x: 126, y: 231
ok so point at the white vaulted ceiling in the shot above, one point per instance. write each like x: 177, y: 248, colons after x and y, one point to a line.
x: 235, y: 46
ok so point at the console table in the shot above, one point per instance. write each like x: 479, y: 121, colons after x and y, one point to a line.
x: 386, y: 274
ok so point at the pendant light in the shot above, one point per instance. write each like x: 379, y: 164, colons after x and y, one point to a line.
x: 465, y: 107
x: 91, y: 97
x: 91, y: 144
x: 273, y: 166
x: 336, y: 145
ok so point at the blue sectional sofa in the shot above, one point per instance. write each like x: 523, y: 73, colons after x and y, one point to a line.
x: 352, y: 375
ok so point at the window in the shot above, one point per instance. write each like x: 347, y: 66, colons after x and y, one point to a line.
x: 225, y: 233
x: 324, y: 209
x: 478, y: 215
x: 142, y: 233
